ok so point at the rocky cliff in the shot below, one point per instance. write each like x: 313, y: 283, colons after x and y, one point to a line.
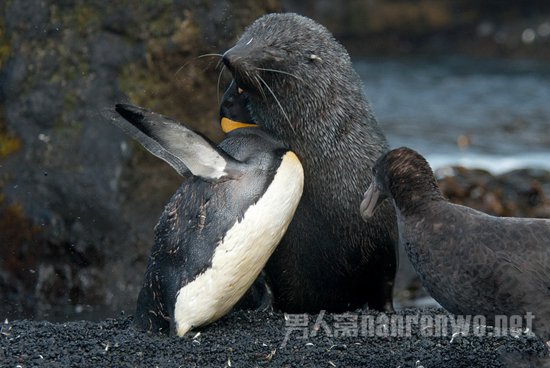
x: 78, y: 201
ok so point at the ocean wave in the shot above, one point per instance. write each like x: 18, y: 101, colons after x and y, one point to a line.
x: 492, y: 163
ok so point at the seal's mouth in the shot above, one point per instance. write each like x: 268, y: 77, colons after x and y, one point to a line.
x: 244, y: 86
x: 233, y: 110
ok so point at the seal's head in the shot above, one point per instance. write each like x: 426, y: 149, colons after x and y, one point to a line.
x: 296, y: 76
x: 404, y: 175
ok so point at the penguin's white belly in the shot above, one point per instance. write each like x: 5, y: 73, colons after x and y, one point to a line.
x: 243, y: 252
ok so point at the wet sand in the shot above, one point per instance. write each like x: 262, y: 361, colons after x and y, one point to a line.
x: 248, y: 338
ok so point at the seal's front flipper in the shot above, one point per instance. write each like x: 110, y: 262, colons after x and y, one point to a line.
x: 179, y: 146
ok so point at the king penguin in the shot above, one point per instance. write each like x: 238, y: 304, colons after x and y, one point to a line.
x: 221, y: 226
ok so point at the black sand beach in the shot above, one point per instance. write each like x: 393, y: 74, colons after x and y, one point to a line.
x: 246, y: 339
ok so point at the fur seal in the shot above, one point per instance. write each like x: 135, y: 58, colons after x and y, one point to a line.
x: 301, y: 88
x: 219, y: 229
x: 470, y: 262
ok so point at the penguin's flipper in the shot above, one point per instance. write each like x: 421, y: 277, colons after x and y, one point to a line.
x: 182, y: 148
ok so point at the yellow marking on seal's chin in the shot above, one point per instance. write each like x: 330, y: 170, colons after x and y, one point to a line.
x: 229, y: 125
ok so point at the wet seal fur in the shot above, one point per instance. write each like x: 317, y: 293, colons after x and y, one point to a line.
x: 470, y: 262
x: 219, y: 229
x: 302, y: 90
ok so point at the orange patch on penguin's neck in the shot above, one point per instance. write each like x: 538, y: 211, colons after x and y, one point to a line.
x: 229, y: 125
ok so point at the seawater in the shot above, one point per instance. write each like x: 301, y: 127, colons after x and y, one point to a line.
x: 498, y: 109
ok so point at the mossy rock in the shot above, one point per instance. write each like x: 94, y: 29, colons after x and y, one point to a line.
x: 173, y: 79
x: 66, y: 172
x: 9, y: 143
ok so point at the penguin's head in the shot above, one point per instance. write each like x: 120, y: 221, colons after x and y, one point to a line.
x: 234, y: 113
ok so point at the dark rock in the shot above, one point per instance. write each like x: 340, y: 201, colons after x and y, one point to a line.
x: 25, y: 16
x: 519, y: 193
x: 43, y: 105
x: 103, y: 57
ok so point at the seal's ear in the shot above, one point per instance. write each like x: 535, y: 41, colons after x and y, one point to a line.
x: 179, y: 146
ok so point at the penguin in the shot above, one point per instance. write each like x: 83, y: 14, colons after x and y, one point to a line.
x: 219, y: 229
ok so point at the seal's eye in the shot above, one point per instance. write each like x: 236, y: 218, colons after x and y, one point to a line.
x: 314, y: 57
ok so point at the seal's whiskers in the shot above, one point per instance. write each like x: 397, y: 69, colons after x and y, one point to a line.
x: 200, y: 57
x: 278, y: 103
x: 280, y: 71
x: 220, y: 56
x: 207, y: 55
x: 260, y: 87
x: 218, y: 85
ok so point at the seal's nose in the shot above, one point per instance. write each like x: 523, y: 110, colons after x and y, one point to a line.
x: 237, y: 61
x: 235, y: 57
x: 225, y: 59
x: 228, y: 59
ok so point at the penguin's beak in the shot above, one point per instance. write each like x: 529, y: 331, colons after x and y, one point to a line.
x: 371, y: 200
x: 229, y: 125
